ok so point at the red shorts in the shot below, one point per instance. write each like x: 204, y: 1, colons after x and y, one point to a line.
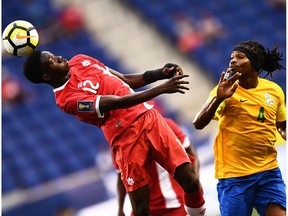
x: 149, y: 137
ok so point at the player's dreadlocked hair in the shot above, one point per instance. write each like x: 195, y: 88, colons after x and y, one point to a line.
x: 32, y: 67
x: 260, y: 58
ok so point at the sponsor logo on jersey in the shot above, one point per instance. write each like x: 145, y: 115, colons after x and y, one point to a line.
x: 243, y: 100
x: 85, y: 106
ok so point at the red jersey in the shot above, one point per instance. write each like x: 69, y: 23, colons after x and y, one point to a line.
x: 80, y: 96
x: 166, y: 193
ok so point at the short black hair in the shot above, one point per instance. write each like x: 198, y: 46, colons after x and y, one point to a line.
x: 32, y: 67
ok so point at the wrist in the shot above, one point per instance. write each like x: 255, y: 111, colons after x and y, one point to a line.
x: 218, y: 99
x: 153, y: 75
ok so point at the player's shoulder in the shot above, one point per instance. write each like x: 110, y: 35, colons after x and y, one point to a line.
x: 270, y: 84
x: 81, y: 57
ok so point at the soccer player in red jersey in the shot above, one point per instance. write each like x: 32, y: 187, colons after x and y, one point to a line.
x: 166, y: 196
x: 136, y: 132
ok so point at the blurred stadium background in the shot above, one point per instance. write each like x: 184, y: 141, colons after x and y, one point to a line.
x: 51, y: 162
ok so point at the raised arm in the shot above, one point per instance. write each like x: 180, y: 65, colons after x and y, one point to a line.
x: 140, y: 80
x: 173, y: 85
x: 226, y: 88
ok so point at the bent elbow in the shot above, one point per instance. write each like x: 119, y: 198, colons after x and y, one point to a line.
x: 198, y: 126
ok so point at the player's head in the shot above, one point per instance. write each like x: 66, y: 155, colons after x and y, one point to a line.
x: 259, y: 57
x: 32, y: 67
x: 44, y: 67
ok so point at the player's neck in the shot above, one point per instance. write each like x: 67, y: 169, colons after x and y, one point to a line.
x: 249, y: 83
x: 60, y: 82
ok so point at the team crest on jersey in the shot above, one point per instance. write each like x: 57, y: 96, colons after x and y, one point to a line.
x: 130, y: 181
x: 269, y: 99
x: 85, y: 106
x: 86, y: 63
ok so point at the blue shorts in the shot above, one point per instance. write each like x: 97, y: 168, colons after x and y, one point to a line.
x: 238, y: 196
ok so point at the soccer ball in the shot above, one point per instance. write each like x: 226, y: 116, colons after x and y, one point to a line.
x: 20, y: 38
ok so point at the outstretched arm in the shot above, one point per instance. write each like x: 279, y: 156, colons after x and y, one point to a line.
x: 226, y: 88
x: 140, y: 80
x: 173, y: 85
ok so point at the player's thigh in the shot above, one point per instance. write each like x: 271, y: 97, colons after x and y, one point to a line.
x: 235, y: 198
x: 270, y: 198
x: 134, y: 164
x: 275, y: 210
x: 166, y: 149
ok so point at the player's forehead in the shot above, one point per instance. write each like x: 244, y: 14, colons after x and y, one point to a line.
x: 45, y: 56
x: 236, y: 52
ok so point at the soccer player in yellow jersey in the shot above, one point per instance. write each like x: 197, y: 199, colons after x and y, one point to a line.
x: 250, y: 110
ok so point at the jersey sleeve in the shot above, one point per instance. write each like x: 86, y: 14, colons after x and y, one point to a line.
x: 281, y: 112
x: 84, y: 107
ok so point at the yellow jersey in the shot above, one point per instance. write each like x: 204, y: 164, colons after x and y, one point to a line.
x: 245, y: 143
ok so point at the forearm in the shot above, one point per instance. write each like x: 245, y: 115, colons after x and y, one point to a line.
x: 173, y: 85
x: 139, y: 80
x: 113, y: 102
x: 135, y: 80
x: 205, y: 115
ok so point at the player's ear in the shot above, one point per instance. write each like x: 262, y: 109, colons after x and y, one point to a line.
x: 46, y: 77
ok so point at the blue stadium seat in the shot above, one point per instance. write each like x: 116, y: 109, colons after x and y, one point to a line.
x: 254, y: 21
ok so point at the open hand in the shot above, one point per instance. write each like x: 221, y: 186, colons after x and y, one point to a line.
x: 175, y: 84
x: 227, y: 86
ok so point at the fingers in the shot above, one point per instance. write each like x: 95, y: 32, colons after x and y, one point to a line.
x: 181, y: 84
x: 181, y: 76
x: 235, y: 86
x: 222, y: 76
x: 177, y: 84
x: 181, y: 88
x: 235, y: 77
x: 227, y: 76
x: 171, y: 70
x: 179, y: 71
